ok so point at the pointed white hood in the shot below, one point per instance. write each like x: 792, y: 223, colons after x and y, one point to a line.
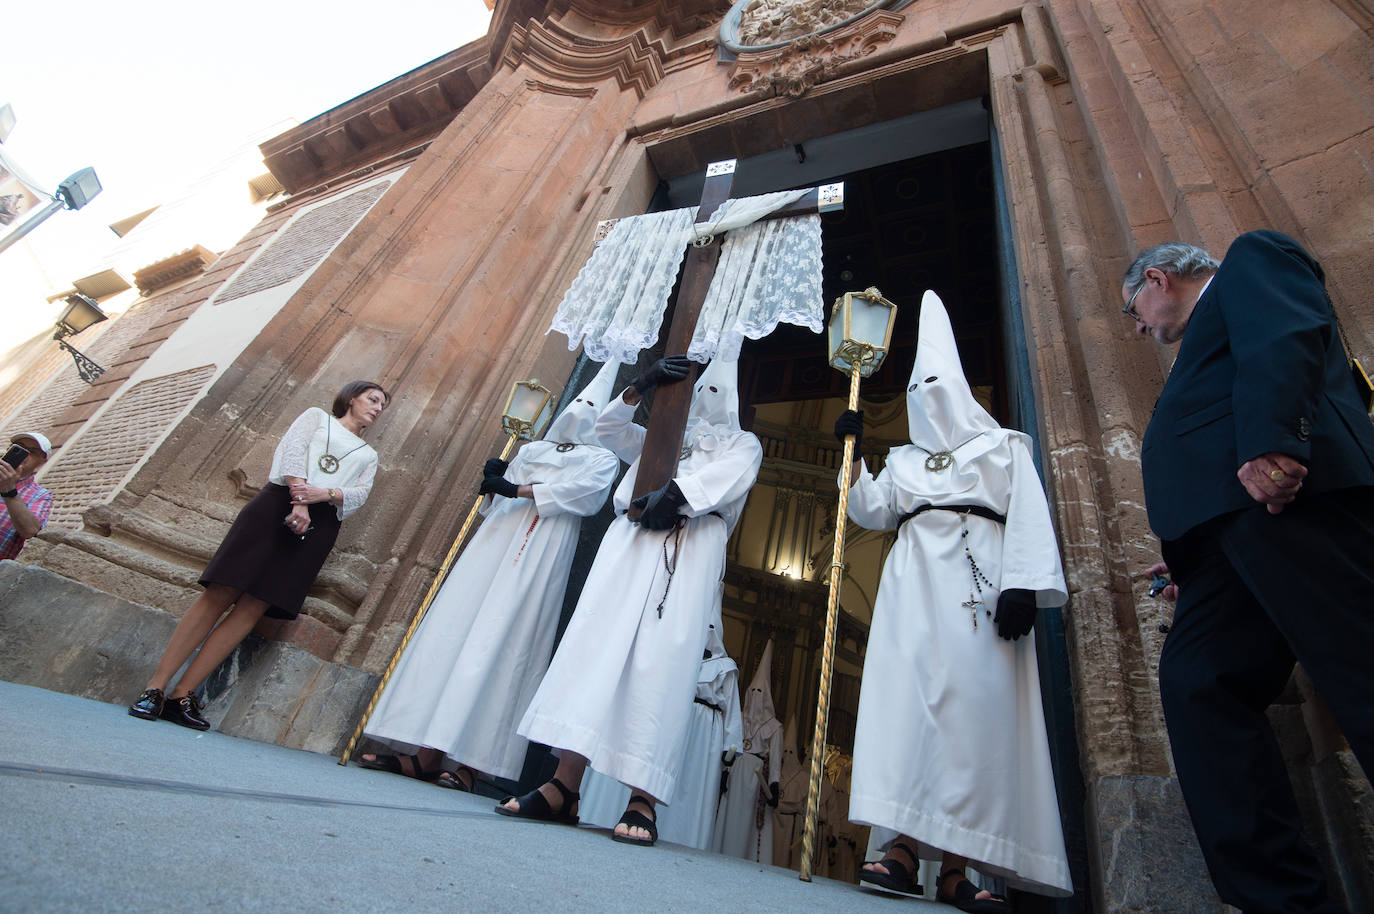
x: 941, y: 411
x: 577, y: 422
x: 715, y: 405
x: 760, y: 721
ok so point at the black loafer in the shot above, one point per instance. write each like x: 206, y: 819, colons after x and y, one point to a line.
x: 185, y: 711
x: 149, y: 705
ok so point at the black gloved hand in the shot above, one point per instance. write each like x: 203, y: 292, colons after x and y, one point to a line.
x: 667, y: 370
x: 1015, y: 613
x: 660, y: 507
x: 773, y: 794
x: 494, y: 467
x: 851, y: 422
x: 500, y: 486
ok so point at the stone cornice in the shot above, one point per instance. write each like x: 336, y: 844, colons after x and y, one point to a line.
x: 633, y: 60
x: 406, y: 112
x: 174, y: 269
x: 677, y: 18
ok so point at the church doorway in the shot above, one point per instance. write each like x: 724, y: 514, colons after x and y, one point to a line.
x: 926, y: 222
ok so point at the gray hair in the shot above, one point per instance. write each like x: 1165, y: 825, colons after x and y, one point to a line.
x: 1172, y: 257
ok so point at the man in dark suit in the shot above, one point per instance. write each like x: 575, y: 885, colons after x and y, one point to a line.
x: 1259, y: 481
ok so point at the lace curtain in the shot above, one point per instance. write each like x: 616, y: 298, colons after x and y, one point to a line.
x: 769, y: 272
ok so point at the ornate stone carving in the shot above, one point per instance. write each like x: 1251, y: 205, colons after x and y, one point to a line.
x: 796, y: 66
x: 773, y: 21
x: 634, y: 60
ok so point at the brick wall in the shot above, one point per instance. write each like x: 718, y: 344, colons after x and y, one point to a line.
x: 303, y: 244
x: 94, y: 465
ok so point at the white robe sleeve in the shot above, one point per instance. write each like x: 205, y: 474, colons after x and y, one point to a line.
x: 581, y: 488
x: 290, y: 457
x: 355, y: 495
x: 1030, y: 553
x: 871, y: 502
x: 616, y: 430
x: 725, y: 478
x: 734, y: 718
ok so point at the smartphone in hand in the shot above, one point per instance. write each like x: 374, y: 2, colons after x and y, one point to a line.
x: 15, y: 455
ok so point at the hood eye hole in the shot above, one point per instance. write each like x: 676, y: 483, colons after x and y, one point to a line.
x: 912, y: 387
x: 714, y: 391
x: 931, y: 379
x: 590, y: 403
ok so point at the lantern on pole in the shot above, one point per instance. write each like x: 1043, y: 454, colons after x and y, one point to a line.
x: 528, y: 410
x: 859, y: 337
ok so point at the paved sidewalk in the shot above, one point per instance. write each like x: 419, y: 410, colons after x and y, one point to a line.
x: 103, y: 812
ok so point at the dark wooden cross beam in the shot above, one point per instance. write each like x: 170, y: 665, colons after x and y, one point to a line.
x: 672, y: 402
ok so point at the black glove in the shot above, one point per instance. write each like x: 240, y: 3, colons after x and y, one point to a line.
x: 500, y: 486
x: 494, y: 467
x: 851, y: 422
x: 773, y: 794
x: 665, y: 371
x: 1015, y: 613
x: 660, y: 507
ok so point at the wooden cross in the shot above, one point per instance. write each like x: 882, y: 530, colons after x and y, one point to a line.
x: 672, y: 402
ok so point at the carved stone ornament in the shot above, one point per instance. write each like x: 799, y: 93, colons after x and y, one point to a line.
x: 788, y: 46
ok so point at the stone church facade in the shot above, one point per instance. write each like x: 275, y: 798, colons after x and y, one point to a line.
x: 433, y: 224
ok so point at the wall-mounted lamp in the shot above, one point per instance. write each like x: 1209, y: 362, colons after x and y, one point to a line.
x: 82, y: 312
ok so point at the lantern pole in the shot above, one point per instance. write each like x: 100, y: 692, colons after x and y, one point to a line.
x: 863, y: 353
x: 518, y: 428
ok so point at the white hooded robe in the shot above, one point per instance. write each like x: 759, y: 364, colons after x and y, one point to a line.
x: 619, y: 690
x: 950, y: 744
x: 713, y: 727
x: 481, y: 650
x: 744, y: 825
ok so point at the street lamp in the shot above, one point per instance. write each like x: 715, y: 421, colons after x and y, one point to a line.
x: 73, y: 193
x: 859, y: 337
x: 528, y: 409
x: 82, y: 312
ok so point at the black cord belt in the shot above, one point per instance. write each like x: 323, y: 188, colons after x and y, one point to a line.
x: 717, y: 708
x: 978, y: 510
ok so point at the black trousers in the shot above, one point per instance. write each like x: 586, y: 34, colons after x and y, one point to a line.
x: 1258, y: 591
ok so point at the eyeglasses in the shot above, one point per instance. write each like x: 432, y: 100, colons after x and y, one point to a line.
x: 1130, y: 310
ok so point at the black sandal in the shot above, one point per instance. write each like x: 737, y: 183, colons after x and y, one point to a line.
x: 635, y: 819
x: 966, y: 895
x: 898, y: 878
x: 453, y: 781
x: 393, y: 764
x: 533, y: 805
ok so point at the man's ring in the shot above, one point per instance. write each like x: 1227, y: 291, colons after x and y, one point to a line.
x: 1277, y: 475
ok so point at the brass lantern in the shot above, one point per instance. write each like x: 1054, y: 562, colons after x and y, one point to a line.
x: 528, y: 409
x: 860, y: 331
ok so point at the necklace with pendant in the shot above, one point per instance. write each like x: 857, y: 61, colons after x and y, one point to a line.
x: 941, y: 460
x: 328, y: 463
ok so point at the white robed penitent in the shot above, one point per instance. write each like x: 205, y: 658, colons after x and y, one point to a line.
x: 713, y: 728
x: 481, y: 650
x: 950, y: 744
x: 744, y: 825
x: 619, y: 690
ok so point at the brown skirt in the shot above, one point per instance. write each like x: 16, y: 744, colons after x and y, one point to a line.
x: 264, y: 559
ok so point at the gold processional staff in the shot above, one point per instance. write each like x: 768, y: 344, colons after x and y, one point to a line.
x: 859, y: 335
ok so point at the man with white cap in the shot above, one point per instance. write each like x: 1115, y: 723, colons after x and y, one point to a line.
x: 26, y: 503
x: 951, y: 757
x: 482, y: 648
x: 619, y: 691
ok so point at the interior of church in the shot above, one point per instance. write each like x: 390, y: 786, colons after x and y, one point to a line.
x: 916, y: 224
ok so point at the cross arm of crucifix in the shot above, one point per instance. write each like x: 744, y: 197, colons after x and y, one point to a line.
x: 668, y: 420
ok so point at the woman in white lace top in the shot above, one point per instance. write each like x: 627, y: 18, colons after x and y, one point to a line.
x: 321, y: 473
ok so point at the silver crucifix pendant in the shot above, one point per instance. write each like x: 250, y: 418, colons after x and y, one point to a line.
x: 973, y: 605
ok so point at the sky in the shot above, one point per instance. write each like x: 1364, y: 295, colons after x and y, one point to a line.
x: 152, y: 94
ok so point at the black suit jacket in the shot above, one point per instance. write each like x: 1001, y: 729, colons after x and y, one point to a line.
x: 1260, y: 368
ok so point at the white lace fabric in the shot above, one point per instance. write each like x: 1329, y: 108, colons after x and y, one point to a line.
x: 769, y: 273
